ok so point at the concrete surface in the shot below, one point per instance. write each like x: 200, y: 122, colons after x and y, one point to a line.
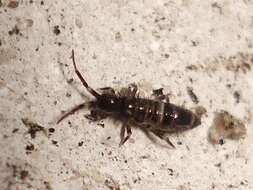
x: 176, y: 44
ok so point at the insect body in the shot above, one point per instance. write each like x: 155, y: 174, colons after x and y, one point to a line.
x: 156, y: 115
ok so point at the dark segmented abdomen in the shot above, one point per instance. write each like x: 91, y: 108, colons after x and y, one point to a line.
x: 160, y: 115
x: 144, y: 110
x: 168, y: 115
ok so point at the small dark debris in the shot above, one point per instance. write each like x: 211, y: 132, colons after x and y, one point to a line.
x: 192, y: 67
x: 132, y: 29
x: 68, y: 94
x: 108, y: 138
x: 47, y: 185
x: 179, y: 143
x: 171, y: 171
x: 244, y: 183
x: 55, y: 143
x: 13, y: 4
x: 1, y: 3
x: 229, y: 85
x: 0, y: 40
x: 15, y: 30
x: 56, y: 30
x: 33, y: 127
x: 118, y: 37
x: 101, y: 124
x: 59, y: 43
x: 217, y: 6
x: 218, y: 165
x: 195, y: 43
x: 51, y: 130
x: 166, y: 55
x: 80, y: 143
x: 15, y: 130
x: 192, y: 95
x: 230, y: 186
x: 237, y: 96
x: 31, y: 1
x: 70, y: 80
x: 55, y: 102
x: 37, y: 49
x: 42, y: 3
x: 221, y: 142
x: 24, y: 174
x: 29, y: 147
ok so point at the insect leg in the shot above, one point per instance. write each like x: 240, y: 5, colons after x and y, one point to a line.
x: 132, y: 89
x: 125, y: 126
x: 96, y: 115
x: 158, y: 94
x: 162, y: 136
x: 85, y: 84
x: 73, y: 110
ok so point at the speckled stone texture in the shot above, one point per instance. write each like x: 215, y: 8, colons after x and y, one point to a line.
x: 205, y: 46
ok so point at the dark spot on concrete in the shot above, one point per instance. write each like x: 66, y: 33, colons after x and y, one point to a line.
x: 70, y: 80
x: 118, y: 37
x: 171, y: 171
x: 166, y: 55
x: 108, y: 138
x: 217, y: 6
x: 80, y: 143
x: 237, y: 96
x: 56, y: 30
x: 13, y: 4
x: 192, y: 67
x: 51, y: 130
x: 37, y: 49
x: 33, y: 127
x: 15, y: 30
x: 24, y: 174
x: 47, y: 185
x: 192, y: 95
x: 229, y: 85
x: 29, y: 148
x: 55, y: 143
x: 42, y: 3
x: 195, y: 43
x: 221, y: 142
x: 68, y: 94
x: 15, y: 130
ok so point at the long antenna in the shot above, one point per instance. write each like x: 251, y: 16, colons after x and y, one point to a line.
x: 85, y: 84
